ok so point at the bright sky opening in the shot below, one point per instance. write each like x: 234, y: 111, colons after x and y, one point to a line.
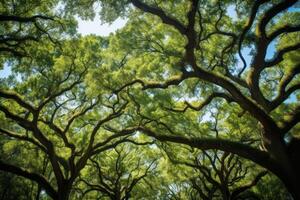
x: 98, y: 28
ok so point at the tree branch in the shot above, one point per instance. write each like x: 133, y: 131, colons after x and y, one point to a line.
x: 31, y: 176
x: 247, y: 27
x: 260, y: 157
x: 272, y: 12
x: 23, y: 19
x: 291, y: 120
x: 279, y: 55
x: 284, y: 29
x: 161, y: 14
x: 239, y: 190
x: 204, y: 103
x: 17, y: 98
x: 22, y: 138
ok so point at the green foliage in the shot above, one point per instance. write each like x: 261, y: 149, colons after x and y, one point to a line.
x: 161, y: 109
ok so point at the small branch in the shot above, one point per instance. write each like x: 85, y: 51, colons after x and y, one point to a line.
x: 204, y: 103
x: 239, y: 190
x: 291, y: 120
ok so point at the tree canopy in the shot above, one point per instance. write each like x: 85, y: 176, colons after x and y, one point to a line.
x: 191, y: 99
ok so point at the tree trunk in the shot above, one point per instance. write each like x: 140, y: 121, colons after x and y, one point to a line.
x: 64, y: 191
x: 289, y: 164
x: 63, y: 195
x: 292, y: 177
x: 292, y: 183
x: 225, y: 192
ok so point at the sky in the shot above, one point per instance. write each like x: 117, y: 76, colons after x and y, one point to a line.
x: 96, y: 27
x: 5, y: 72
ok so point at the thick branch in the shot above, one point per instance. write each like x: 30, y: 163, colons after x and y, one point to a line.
x: 272, y: 12
x: 17, y: 39
x: 31, y: 176
x: 284, y: 29
x: 279, y: 56
x: 23, y: 19
x: 18, y: 99
x: 13, y: 51
x: 246, y: 29
x: 284, y: 96
x: 22, y: 138
x: 260, y: 157
x: 21, y: 121
x: 161, y: 14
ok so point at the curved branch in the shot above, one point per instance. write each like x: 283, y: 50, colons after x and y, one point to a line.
x: 110, y: 146
x: 204, y: 103
x: 96, y: 187
x: 77, y: 115
x: 246, y: 29
x: 239, y: 190
x: 60, y: 132
x: 172, y: 81
x: 283, y: 95
x: 31, y: 176
x: 54, y: 95
x: 23, y: 138
x: 280, y: 54
x: 21, y: 121
x: 175, y: 80
x: 161, y: 14
x: 284, y: 29
x: 17, y: 98
x: 17, y: 39
x: 291, y: 120
x: 117, y: 135
x: 136, y: 180
x: 272, y: 12
x: 13, y: 51
x: 260, y: 157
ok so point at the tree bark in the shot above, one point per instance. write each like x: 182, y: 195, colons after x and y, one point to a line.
x: 64, y: 191
x: 289, y: 164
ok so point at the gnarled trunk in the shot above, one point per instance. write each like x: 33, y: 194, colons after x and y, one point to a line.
x: 292, y: 178
x: 286, y: 156
x: 64, y: 191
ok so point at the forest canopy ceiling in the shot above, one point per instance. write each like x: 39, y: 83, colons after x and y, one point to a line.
x: 168, y: 107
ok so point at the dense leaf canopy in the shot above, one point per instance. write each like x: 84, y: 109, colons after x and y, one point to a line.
x: 191, y: 99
